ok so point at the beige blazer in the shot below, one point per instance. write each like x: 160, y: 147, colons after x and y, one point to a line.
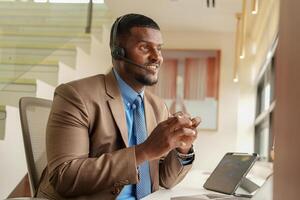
x: 87, y: 143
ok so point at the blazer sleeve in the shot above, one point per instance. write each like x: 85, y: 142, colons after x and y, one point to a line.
x: 171, y: 170
x: 72, y: 172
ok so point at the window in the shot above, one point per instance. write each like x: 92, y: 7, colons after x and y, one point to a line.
x: 265, y: 103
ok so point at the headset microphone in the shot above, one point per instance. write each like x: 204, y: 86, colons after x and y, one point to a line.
x: 131, y: 62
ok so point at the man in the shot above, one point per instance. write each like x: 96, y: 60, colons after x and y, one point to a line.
x: 97, y: 135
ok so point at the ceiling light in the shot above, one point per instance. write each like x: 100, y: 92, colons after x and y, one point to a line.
x: 243, y: 30
x: 210, y: 2
x: 237, y: 47
x: 253, y: 48
x: 254, y: 9
x: 236, y: 79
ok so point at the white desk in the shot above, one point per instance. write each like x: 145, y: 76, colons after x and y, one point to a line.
x: 192, y: 184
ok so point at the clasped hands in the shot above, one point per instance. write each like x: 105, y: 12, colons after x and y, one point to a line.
x: 186, y: 140
x: 179, y: 132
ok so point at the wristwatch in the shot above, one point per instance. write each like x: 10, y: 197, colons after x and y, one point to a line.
x: 190, y: 155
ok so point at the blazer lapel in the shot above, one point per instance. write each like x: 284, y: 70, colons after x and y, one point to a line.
x: 149, y: 114
x: 151, y: 124
x: 116, y: 105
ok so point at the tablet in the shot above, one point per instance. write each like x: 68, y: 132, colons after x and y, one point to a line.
x: 229, y: 173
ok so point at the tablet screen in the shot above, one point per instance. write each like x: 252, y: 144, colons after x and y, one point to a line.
x: 229, y: 173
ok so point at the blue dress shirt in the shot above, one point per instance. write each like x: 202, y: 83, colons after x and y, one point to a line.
x: 129, y: 95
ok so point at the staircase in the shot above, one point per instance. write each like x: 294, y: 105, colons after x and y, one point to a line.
x: 41, y: 46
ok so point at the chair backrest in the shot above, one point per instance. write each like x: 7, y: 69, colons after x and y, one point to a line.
x: 34, y: 113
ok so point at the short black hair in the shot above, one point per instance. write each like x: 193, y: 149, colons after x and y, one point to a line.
x: 127, y: 22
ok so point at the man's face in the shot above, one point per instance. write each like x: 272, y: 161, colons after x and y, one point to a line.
x: 142, y: 46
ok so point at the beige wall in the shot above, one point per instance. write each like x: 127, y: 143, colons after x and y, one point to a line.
x: 262, y: 30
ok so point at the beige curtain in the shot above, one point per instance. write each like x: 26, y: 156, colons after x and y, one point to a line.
x: 213, y: 71
x: 166, y: 86
x: 195, y: 78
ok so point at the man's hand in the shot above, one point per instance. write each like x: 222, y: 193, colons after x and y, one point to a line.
x: 187, y: 141
x: 179, y: 131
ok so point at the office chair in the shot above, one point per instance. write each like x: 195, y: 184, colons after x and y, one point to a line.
x: 34, y: 113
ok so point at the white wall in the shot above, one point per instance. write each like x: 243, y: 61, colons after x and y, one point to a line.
x: 212, y: 145
x: 98, y: 60
x: 44, y: 90
x: 13, y: 163
x: 246, y: 117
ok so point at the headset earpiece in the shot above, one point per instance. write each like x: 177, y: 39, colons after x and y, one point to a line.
x: 117, y: 52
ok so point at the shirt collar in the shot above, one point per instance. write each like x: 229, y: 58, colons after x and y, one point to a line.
x: 128, y: 94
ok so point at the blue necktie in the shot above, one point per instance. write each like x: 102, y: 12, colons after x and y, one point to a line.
x: 143, y: 187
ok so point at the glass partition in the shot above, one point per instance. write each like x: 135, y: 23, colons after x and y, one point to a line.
x: 37, y: 39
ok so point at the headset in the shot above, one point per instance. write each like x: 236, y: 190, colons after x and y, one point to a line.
x: 118, y: 52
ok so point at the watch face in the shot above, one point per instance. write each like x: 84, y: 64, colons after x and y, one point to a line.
x: 189, y: 156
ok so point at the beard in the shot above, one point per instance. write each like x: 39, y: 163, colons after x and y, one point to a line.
x: 147, y: 80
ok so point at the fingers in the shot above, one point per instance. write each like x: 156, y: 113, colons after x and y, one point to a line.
x: 181, y: 144
x: 169, y: 121
x: 183, y: 141
x: 184, y: 132
x: 181, y: 114
x: 196, y: 121
x: 182, y: 125
x: 177, y: 131
x: 179, y: 122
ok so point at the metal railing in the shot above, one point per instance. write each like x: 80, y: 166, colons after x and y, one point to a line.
x: 89, y: 17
